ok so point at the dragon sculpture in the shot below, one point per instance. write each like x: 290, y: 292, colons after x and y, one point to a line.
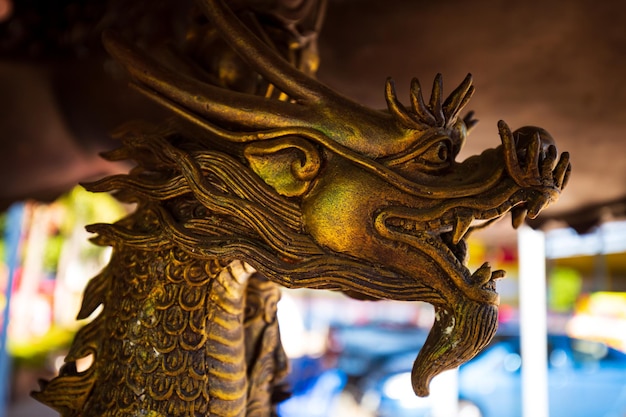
x: 267, y: 178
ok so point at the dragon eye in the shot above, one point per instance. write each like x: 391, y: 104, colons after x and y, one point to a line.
x: 437, y: 154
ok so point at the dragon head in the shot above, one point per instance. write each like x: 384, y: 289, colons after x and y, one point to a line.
x: 412, y: 210
x: 382, y: 207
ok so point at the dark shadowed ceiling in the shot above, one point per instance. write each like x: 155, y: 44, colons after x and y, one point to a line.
x: 558, y: 65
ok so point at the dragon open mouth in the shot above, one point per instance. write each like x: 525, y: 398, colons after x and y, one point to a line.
x: 484, y: 277
x: 447, y: 245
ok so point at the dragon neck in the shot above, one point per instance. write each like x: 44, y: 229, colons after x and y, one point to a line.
x: 170, y: 335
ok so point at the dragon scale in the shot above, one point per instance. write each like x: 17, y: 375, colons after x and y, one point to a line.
x: 181, y: 333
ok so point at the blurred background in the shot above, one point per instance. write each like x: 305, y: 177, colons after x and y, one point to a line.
x: 546, y: 63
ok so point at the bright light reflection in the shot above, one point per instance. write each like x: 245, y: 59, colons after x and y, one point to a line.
x: 609, y: 237
x: 398, y: 387
x: 512, y: 362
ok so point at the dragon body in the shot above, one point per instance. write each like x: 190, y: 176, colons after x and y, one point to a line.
x: 282, y: 182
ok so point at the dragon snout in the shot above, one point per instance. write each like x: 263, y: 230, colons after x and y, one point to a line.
x: 531, y: 160
x: 530, y: 157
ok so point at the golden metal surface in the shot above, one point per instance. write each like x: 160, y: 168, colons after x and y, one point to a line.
x: 267, y: 166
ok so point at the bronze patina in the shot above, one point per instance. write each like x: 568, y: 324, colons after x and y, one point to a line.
x: 265, y: 177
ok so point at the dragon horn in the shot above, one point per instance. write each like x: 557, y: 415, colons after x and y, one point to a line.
x: 266, y: 61
x: 202, y: 99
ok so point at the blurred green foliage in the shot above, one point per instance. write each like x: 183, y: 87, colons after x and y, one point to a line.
x: 564, y: 287
x: 70, y: 214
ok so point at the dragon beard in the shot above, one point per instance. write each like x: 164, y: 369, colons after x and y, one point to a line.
x: 455, y: 337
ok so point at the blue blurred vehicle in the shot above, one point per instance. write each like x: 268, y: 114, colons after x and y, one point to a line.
x: 585, y: 378
x: 360, y: 350
x: 356, y: 352
x: 314, y: 388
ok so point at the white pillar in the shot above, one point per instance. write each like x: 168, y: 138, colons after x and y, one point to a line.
x: 533, y: 318
x: 444, y: 392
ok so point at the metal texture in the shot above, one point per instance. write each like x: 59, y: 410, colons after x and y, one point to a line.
x: 269, y: 177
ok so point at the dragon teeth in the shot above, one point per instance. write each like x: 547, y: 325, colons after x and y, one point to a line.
x: 408, y: 225
x: 498, y: 274
x: 536, y: 206
x: 518, y: 214
x: 482, y: 275
x: 460, y: 228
